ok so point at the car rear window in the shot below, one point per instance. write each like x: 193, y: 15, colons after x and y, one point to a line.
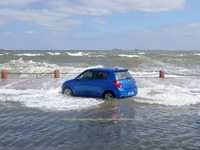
x: 123, y: 75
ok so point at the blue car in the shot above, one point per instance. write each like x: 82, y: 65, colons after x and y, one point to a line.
x: 107, y: 83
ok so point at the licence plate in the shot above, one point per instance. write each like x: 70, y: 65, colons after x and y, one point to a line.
x: 131, y: 93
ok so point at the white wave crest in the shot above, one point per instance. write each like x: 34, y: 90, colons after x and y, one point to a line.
x: 197, y: 54
x: 130, y: 56
x: 29, y: 54
x: 31, y: 67
x: 75, y: 54
x: 49, y: 99
x: 54, y: 54
x: 84, y: 54
x: 168, y: 95
x: 20, y: 66
x: 141, y: 53
x: 96, y: 55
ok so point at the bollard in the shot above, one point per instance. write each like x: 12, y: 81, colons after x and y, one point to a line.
x: 57, y: 73
x: 162, y: 74
x: 4, y: 74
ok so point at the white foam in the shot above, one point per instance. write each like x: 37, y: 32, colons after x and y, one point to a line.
x: 47, y: 99
x: 130, y: 56
x: 17, y: 66
x: 89, y: 54
x: 197, y: 54
x: 4, y: 54
x: 54, y: 54
x: 75, y: 54
x: 143, y: 73
x: 96, y: 56
x: 169, y: 95
x: 180, y: 55
x: 141, y: 53
x: 29, y: 54
x: 31, y: 67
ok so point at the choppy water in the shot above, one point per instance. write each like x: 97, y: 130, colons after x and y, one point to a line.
x: 164, y: 115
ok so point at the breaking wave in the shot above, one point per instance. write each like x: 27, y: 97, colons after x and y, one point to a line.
x: 47, y: 99
x: 176, y: 91
x: 29, y: 54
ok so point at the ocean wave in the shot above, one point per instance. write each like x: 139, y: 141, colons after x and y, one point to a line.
x: 27, y: 68
x: 175, y: 97
x: 187, y: 54
x: 142, y: 53
x: 21, y: 66
x: 89, y: 54
x: 53, y: 54
x: 45, y: 94
x: 130, y: 56
x: 181, y: 55
x: 197, y: 54
x: 47, y: 99
x: 76, y: 54
x: 29, y: 54
x: 31, y: 67
x: 96, y: 56
x: 171, y: 92
x: 4, y: 54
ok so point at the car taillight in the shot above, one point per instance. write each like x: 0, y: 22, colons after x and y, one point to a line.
x: 117, y: 84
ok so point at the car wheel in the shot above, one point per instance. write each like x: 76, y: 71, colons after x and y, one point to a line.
x: 68, y: 91
x: 108, y: 95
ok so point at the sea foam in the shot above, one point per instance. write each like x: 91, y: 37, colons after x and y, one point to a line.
x: 169, y: 92
x: 29, y: 54
x: 47, y: 99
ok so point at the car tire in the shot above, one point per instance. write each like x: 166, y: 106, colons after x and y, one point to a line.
x: 108, y: 95
x: 68, y: 91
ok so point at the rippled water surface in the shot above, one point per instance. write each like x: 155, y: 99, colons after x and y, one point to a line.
x: 35, y: 115
x: 43, y: 118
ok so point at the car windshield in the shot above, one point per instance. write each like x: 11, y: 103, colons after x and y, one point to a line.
x: 87, y: 75
x: 123, y: 75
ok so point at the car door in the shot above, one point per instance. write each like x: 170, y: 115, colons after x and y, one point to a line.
x: 99, y: 83
x: 82, y: 85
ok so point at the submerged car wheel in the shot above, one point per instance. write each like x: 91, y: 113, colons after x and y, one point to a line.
x: 68, y: 91
x: 108, y: 95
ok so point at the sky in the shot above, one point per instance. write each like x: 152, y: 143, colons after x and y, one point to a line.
x: 100, y: 24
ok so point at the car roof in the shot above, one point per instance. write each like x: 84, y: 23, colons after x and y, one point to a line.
x: 109, y: 69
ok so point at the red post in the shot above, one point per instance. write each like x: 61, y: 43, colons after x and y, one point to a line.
x: 162, y: 74
x: 57, y: 73
x: 4, y: 74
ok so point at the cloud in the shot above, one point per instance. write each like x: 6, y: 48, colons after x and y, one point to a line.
x: 17, y: 2
x: 50, y: 12
x: 44, y: 17
x: 99, y: 21
x: 31, y: 33
x: 192, y: 26
x: 136, y: 5
x: 180, y: 36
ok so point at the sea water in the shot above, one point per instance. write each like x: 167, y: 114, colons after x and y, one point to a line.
x: 164, y: 115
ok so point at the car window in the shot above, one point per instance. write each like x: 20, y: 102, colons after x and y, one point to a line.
x: 122, y: 75
x: 86, y: 75
x: 101, y: 75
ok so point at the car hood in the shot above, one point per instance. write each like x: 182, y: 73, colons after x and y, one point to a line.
x: 68, y: 82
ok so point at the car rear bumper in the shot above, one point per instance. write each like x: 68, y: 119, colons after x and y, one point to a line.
x: 126, y: 93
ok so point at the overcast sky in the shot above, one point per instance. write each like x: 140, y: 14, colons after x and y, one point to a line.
x: 99, y: 24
